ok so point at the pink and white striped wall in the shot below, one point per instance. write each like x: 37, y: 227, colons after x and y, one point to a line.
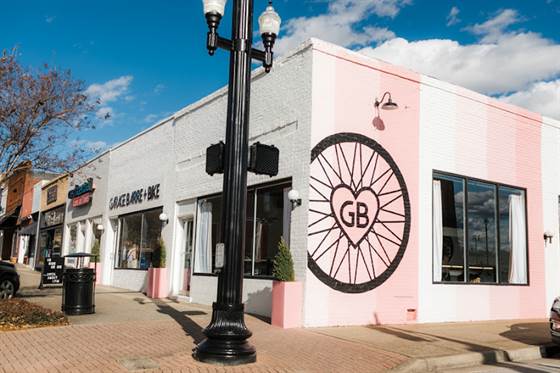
x: 438, y: 127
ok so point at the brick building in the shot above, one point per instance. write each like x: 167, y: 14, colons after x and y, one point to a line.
x: 432, y: 211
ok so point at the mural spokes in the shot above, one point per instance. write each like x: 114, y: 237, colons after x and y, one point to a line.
x: 359, y: 213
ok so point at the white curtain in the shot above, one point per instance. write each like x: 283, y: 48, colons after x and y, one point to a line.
x: 437, y: 234
x: 517, y: 239
x: 203, y: 253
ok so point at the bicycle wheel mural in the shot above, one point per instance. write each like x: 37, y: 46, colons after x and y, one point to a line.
x: 359, y: 213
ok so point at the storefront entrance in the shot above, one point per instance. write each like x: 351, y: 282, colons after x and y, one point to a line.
x: 50, y: 244
x: 188, y: 228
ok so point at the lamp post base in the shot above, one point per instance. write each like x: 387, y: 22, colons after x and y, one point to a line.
x: 226, y: 342
x: 225, y: 352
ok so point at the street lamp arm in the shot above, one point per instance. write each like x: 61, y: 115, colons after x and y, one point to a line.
x: 214, y: 41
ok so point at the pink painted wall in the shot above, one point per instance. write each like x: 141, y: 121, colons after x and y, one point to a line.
x: 494, y: 142
x: 437, y: 127
x: 345, y: 87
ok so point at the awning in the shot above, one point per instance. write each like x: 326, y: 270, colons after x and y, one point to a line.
x: 9, y: 220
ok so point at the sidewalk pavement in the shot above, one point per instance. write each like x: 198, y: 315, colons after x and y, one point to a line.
x: 130, y: 332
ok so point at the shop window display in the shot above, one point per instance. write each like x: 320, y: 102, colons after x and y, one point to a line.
x: 139, y: 235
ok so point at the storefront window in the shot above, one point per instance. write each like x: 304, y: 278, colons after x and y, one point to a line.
x: 451, y: 210
x: 139, y: 235
x: 267, y: 221
x: 495, y: 218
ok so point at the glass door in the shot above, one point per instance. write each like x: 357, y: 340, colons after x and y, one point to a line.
x: 187, y: 267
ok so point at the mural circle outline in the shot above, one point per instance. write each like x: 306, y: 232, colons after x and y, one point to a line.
x: 351, y: 213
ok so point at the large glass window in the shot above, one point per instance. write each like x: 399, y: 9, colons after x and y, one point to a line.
x: 139, y: 235
x: 478, y: 236
x: 267, y: 221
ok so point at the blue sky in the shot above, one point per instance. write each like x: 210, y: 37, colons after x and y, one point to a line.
x: 147, y: 59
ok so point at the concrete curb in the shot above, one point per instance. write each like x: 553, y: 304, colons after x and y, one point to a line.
x: 442, y: 363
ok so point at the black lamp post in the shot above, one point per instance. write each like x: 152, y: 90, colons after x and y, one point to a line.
x: 227, y: 334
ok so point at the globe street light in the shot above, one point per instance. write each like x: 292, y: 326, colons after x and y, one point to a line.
x: 227, y: 334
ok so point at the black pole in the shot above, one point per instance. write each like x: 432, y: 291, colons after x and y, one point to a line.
x: 227, y: 334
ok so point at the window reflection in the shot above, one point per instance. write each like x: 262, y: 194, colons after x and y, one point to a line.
x: 493, y: 239
x: 453, y: 260
x: 481, y: 232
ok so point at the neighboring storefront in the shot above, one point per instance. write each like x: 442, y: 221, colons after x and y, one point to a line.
x: 85, y: 208
x: 51, y: 220
x: 434, y: 211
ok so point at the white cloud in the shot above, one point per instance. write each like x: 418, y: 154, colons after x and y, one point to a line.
x: 494, y: 28
x: 339, y: 24
x: 542, y: 97
x: 452, y: 17
x: 109, y: 91
x: 150, y: 118
x: 510, y: 64
x: 159, y: 88
x: 92, y: 146
x: 104, y: 113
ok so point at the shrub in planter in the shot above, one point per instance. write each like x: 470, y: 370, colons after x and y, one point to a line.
x: 287, y: 294
x: 157, y: 273
x: 283, y: 265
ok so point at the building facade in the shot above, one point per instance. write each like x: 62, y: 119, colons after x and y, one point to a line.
x: 51, y: 219
x: 432, y: 212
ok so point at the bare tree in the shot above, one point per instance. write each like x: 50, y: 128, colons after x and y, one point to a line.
x: 39, y: 111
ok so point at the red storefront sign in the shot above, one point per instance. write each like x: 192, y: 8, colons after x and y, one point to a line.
x: 81, y: 200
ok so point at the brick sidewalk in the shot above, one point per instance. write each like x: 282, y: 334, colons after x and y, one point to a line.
x: 165, y: 346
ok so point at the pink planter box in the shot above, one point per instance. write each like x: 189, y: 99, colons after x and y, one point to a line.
x: 98, y: 272
x: 287, y: 304
x: 157, y: 283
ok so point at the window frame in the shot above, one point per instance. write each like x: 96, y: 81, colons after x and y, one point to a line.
x: 496, y: 186
x: 286, y: 182
x: 118, y: 237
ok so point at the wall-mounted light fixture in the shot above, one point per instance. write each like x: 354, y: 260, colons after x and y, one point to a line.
x: 163, y: 218
x: 548, y: 236
x: 293, y: 196
x: 389, y: 105
x: 100, y: 227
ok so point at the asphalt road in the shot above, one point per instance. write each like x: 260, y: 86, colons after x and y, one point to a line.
x: 535, y: 366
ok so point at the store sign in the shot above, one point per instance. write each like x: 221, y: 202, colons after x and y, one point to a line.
x: 53, y: 217
x: 359, y: 213
x: 52, y: 194
x: 82, y: 200
x: 81, y: 194
x: 135, y: 197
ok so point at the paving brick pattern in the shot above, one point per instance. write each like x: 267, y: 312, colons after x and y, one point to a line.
x: 111, y: 347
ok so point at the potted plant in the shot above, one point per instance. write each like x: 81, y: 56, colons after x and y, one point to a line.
x: 95, y: 262
x: 157, y: 273
x: 287, y: 293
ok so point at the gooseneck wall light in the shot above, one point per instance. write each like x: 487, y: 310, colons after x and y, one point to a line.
x: 227, y: 335
x: 389, y: 105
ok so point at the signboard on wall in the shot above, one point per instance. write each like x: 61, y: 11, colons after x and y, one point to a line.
x: 359, y: 213
x: 81, y: 194
x: 134, y: 197
x: 52, y: 194
x: 53, y: 217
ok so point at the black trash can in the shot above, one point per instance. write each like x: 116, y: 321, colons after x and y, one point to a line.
x: 78, y: 290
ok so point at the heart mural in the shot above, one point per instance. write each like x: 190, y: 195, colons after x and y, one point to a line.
x: 359, y: 213
x: 355, y: 212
